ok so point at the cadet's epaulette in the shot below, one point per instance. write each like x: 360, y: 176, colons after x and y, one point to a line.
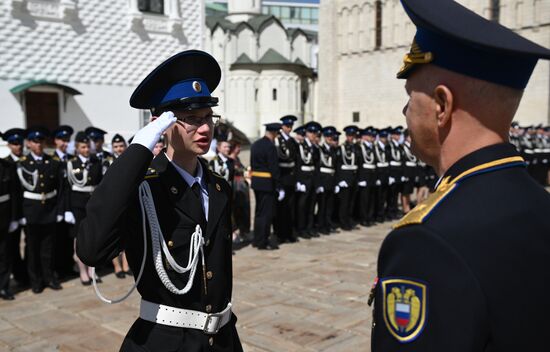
x: 73, y: 158
x: 217, y: 174
x: 56, y: 158
x: 424, y: 209
x: 151, y: 173
x: 23, y: 158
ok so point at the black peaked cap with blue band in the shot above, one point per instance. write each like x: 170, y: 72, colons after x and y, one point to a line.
x: 63, y: 132
x: 313, y: 126
x: 328, y: 131
x: 36, y: 133
x: 95, y: 133
x: 452, y: 37
x: 288, y: 120
x: 300, y: 130
x: 273, y: 127
x: 14, y: 135
x: 184, y: 81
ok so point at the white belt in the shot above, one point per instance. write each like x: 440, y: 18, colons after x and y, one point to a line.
x: 410, y: 164
x: 4, y: 198
x: 307, y: 168
x: 528, y: 151
x: 327, y: 170
x: 369, y: 166
x: 184, y: 318
x: 395, y: 163
x: 286, y: 165
x: 349, y: 167
x: 537, y: 150
x: 39, y: 196
x: 382, y: 164
x: 86, y: 189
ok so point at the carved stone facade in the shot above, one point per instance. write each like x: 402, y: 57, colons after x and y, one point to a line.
x: 362, y: 44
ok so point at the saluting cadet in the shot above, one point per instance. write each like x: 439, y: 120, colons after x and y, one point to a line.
x: 222, y: 164
x: 84, y: 172
x: 9, y: 216
x: 42, y: 180
x: 305, y: 169
x: 410, y: 173
x: 179, y: 207
x: 396, y: 178
x: 64, y: 247
x: 97, y: 136
x: 346, y: 173
x: 327, y: 181
x: 366, y: 176
x: 265, y: 177
x: 287, y: 154
x: 14, y: 137
x: 467, y: 269
x: 381, y: 153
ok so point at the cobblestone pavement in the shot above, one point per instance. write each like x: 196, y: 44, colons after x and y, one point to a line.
x: 308, y: 296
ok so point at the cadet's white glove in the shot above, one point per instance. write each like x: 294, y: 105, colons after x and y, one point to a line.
x: 378, y: 183
x: 391, y: 181
x: 59, y: 218
x: 320, y: 190
x: 362, y: 184
x: 23, y: 221
x: 343, y: 184
x: 300, y: 187
x: 404, y: 179
x: 13, y: 226
x: 336, y: 189
x: 281, y: 195
x: 149, y: 135
x: 69, y: 218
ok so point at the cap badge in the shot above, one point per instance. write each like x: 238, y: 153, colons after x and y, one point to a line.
x: 197, y: 87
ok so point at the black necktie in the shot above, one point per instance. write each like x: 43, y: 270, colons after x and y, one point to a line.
x: 196, y: 188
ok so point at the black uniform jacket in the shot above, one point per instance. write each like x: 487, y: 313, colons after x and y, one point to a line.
x: 50, y: 178
x: 9, y: 192
x: 77, y: 199
x: 467, y: 270
x: 306, y: 165
x: 287, y: 154
x: 265, y: 168
x: 367, y: 164
x: 347, y: 161
x: 114, y: 224
x: 327, y: 156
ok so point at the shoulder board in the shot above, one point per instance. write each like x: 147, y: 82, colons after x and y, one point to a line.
x: 56, y: 158
x: 217, y: 174
x: 73, y: 158
x: 421, y: 212
x: 23, y: 158
x: 151, y: 173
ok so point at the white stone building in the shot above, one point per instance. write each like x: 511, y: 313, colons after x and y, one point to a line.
x: 77, y: 62
x: 362, y: 44
x: 267, y: 69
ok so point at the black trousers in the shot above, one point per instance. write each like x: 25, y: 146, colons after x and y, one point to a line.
x: 367, y: 198
x: 381, y: 195
x: 284, y: 216
x: 265, y: 208
x: 18, y: 263
x: 323, y: 221
x: 303, y: 200
x: 64, y: 249
x: 344, y: 211
x: 310, y: 220
x: 41, y: 250
x: 5, y: 260
x: 393, y: 195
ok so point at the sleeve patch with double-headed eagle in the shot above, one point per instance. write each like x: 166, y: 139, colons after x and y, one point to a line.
x: 404, y: 307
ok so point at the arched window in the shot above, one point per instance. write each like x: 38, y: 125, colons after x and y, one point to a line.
x: 494, y: 10
x: 378, y: 22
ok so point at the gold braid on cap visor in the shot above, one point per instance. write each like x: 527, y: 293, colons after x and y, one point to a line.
x: 414, y: 57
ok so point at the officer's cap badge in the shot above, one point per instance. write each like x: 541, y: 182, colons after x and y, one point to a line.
x: 197, y: 86
x: 404, y: 307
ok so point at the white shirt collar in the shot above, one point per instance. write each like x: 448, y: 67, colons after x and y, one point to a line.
x: 382, y: 145
x: 224, y: 158
x: 36, y: 157
x: 309, y: 144
x: 60, y: 154
x: 14, y: 157
x: 285, y: 136
x: 367, y: 143
x: 82, y: 158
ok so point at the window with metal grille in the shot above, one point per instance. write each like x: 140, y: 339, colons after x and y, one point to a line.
x: 356, y: 116
x: 494, y: 10
x: 378, y: 22
x: 151, y: 6
x: 274, y: 94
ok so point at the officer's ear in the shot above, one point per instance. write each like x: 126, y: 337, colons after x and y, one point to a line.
x: 444, y: 101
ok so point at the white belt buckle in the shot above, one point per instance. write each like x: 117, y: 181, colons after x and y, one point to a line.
x: 209, y: 319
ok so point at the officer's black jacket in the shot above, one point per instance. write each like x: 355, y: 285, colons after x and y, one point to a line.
x: 9, y: 209
x: 114, y: 224
x: 77, y: 199
x: 50, y: 178
x: 263, y: 158
x: 346, y: 175
x: 302, y: 176
x: 287, y: 154
x: 327, y: 180
x: 483, y: 253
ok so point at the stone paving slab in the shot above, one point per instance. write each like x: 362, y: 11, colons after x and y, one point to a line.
x: 308, y: 296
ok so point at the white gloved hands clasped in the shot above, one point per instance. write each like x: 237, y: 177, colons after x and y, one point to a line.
x: 320, y: 189
x: 404, y: 179
x: 336, y: 189
x: 69, y: 218
x: 59, y: 218
x: 391, y: 181
x: 300, y: 187
x: 281, y: 195
x: 13, y: 226
x: 378, y: 183
x: 362, y: 184
x: 149, y: 135
x: 343, y: 184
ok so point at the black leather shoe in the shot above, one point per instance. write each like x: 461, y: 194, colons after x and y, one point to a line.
x: 54, y: 285
x: 98, y: 280
x: 120, y: 275
x: 86, y: 283
x: 37, y: 289
x: 6, y: 295
x: 268, y: 247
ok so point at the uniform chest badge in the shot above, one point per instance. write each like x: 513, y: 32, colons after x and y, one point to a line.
x: 404, y: 308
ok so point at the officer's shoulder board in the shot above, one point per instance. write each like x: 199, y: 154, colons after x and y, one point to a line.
x: 23, y: 158
x: 423, y: 210
x: 56, y: 158
x: 151, y: 173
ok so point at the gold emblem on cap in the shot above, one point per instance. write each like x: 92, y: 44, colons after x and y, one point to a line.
x: 218, y: 187
x: 414, y: 57
x: 197, y: 87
